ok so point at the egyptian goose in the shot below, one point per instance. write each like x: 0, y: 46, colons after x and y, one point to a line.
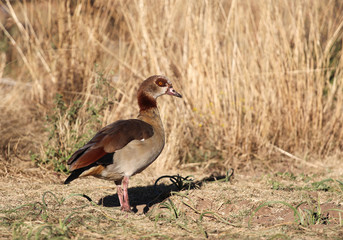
x: 125, y: 147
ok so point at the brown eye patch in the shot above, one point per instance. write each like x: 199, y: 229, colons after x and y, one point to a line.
x: 161, y: 82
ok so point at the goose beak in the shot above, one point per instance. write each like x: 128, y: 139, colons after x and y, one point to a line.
x: 172, y: 92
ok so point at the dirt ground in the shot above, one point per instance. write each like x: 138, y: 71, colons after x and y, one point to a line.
x: 300, y: 203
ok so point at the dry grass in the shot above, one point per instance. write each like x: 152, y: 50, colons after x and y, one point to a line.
x: 253, y: 74
x: 260, y: 79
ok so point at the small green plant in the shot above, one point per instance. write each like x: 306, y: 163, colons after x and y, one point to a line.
x: 174, y: 211
x: 286, y: 176
x: 71, y: 124
x: 328, y: 185
x: 276, y: 185
x: 62, y: 138
x: 297, y: 216
x: 314, y: 216
x: 304, y: 217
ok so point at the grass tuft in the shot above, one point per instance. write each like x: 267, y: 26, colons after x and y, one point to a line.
x: 305, y: 217
x: 298, y: 217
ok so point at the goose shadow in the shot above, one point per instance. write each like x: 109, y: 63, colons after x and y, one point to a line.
x: 147, y: 195
x: 154, y: 194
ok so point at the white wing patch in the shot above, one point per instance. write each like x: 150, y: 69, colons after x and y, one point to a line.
x: 142, y: 140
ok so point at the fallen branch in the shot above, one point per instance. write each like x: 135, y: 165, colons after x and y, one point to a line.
x: 297, y: 158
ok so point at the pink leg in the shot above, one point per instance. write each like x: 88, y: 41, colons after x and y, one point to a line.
x: 126, y: 204
x: 123, y: 195
x: 120, y: 194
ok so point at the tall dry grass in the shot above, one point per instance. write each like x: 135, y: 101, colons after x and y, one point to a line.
x: 258, y: 77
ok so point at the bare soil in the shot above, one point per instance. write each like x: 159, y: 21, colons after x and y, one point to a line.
x: 35, y: 204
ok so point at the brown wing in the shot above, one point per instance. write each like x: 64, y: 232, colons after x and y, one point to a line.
x: 108, y: 140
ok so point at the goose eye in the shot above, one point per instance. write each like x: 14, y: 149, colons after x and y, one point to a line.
x: 161, y: 82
